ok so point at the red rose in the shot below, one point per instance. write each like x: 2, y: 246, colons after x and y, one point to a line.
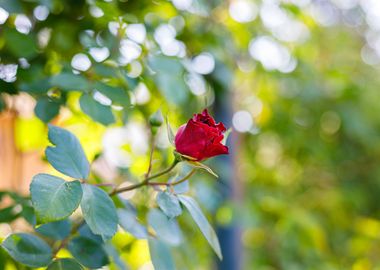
x: 201, y: 137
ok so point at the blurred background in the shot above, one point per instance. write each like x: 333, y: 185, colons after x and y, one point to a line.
x: 297, y: 81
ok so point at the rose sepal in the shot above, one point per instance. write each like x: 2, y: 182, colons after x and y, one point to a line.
x: 181, y: 157
x: 170, y: 132
x: 227, y: 134
x: 193, y: 163
x: 199, y: 165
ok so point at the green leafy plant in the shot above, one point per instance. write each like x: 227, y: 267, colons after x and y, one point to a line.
x: 54, y: 200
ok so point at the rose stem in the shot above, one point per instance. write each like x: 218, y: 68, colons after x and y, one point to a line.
x: 146, y: 180
x: 152, y: 145
x: 174, y: 183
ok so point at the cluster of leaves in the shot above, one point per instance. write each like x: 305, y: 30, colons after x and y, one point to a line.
x: 54, y: 200
x: 49, y: 75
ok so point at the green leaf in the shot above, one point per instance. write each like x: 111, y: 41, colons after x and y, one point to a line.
x: 28, y: 214
x: 8, y: 214
x: 166, y: 229
x: 197, y: 164
x: 166, y: 64
x: 199, y: 218
x: 11, y: 6
x: 128, y: 221
x: 98, y: 112
x: 68, y: 81
x: 116, y: 94
x: 169, y: 78
x: 57, y: 230
x: 104, y: 70
x: 85, y: 231
x: 38, y: 87
x: 54, y: 198
x: 169, y: 204
x: 9, y: 88
x: 28, y: 249
x: 27, y: 211
x: 20, y: 45
x: 99, y: 211
x: 173, y: 89
x: 46, y: 109
x: 160, y: 255
x: 88, y: 252
x: 67, y: 156
x: 113, y: 253
x: 181, y: 187
x: 65, y: 264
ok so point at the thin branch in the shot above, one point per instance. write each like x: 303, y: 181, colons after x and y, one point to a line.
x: 152, y: 145
x: 65, y: 241
x: 131, y: 187
x: 146, y: 180
x: 104, y: 185
x: 173, y: 183
x: 175, y: 162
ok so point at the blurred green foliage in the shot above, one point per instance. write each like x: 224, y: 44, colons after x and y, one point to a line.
x: 306, y: 167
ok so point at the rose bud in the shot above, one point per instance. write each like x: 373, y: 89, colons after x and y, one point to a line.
x: 201, y: 137
x: 156, y: 119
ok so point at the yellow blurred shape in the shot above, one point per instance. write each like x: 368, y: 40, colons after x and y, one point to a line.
x: 253, y: 237
x: 272, y: 205
x: 318, y: 237
x: 313, y: 231
x: 122, y: 239
x: 30, y: 133
x: 359, y: 246
x: 269, y: 151
x: 73, y: 102
x: 64, y: 253
x: 309, y: 21
x: 362, y: 264
x: 53, y: 64
x: 288, y: 172
x: 164, y: 10
x: 138, y: 255
x: 139, y: 165
x: 126, y: 147
x: 368, y: 226
x: 10, y: 266
x: 264, y: 116
x: 330, y: 122
x: 224, y: 215
x: 89, y: 134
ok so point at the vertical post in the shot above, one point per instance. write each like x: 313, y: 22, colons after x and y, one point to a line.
x: 229, y: 188
x: 10, y: 157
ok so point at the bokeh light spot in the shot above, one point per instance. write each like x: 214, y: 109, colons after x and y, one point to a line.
x: 80, y: 62
x: 242, y: 121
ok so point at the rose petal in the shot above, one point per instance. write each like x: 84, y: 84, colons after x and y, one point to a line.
x: 201, y: 137
x: 192, y: 140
